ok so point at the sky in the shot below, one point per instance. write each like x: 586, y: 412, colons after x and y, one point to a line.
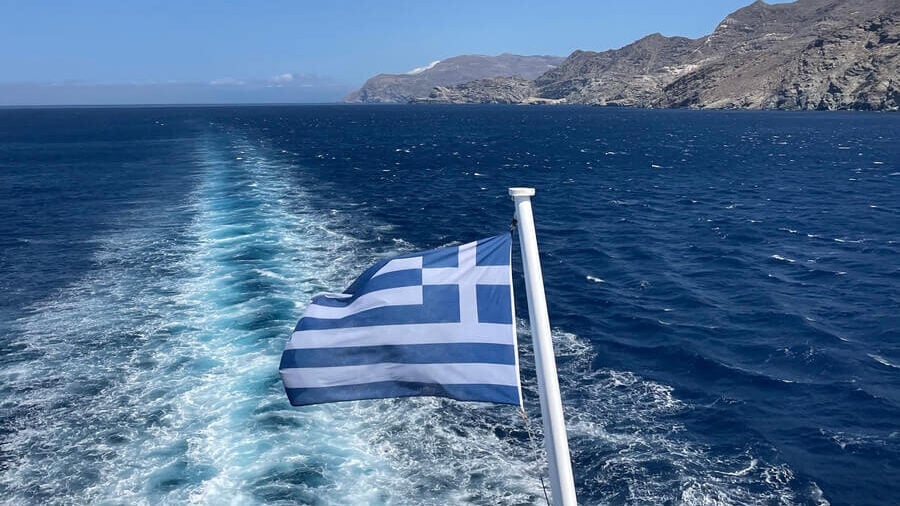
x: 205, y: 51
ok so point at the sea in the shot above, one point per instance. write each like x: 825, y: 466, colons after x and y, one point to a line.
x: 723, y: 289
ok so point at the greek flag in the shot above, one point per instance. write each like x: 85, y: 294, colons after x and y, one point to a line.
x: 438, y: 323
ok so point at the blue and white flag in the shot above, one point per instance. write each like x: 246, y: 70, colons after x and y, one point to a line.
x: 438, y: 323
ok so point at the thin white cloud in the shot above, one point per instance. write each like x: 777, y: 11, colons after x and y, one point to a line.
x: 227, y: 81
x: 283, y: 78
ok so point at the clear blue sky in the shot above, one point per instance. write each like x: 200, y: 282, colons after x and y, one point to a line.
x: 330, y: 46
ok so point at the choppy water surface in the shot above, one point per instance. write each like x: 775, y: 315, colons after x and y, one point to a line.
x: 724, y: 289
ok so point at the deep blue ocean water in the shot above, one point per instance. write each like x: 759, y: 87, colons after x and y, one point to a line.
x: 724, y: 289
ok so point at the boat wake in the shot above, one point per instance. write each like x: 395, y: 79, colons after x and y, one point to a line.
x: 153, y: 380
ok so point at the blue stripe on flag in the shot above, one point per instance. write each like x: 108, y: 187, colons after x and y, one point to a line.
x: 444, y: 353
x: 493, y: 251
x: 443, y: 257
x: 365, y: 276
x: 395, y: 279
x: 440, y: 305
x: 474, y: 392
x: 325, y: 300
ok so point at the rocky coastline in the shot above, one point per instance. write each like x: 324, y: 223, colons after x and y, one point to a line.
x: 805, y: 55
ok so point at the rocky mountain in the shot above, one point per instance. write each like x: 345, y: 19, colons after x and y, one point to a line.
x: 809, y: 54
x: 401, y: 88
x: 496, y: 90
x: 634, y: 75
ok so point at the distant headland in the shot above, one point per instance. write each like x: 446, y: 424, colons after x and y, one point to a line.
x: 806, y: 55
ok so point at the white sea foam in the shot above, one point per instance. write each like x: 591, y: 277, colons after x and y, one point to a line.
x: 816, y: 494
x: 190, y: 409
x: 630, y: 418
x: 176, y: 408
x: 883, y: 361
x: 172, y: 355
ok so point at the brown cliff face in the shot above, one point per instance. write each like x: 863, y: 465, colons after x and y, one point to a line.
x: 806, y: 55
x: 810, y: 54
x: 401, y: 88
x: 852, y: 68
x: 634, y: 75
x: 497, y: 90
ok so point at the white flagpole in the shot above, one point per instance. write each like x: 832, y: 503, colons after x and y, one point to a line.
x: 561, y: 481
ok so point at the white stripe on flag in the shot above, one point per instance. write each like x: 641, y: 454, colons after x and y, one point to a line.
x: 422, y: 333
x: 482, y: 275
x: 400, y: 264
x: 448, y: 374
x: 403, y: 296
